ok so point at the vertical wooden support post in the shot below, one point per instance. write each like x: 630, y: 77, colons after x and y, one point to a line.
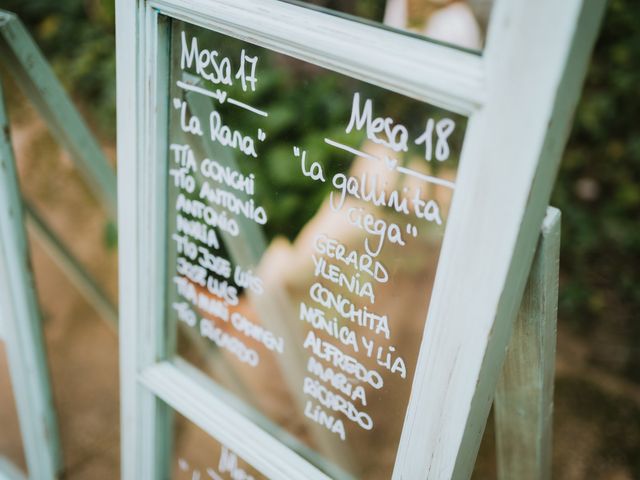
x: 524, y: 398
x: 21, y: 324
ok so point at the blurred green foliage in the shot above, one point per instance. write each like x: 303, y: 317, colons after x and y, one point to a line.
x: 598, y: 191
x: 78, y: 38
x: 598, y: 188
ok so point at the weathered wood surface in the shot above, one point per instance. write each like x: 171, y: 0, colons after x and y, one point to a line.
x: 523, y: 404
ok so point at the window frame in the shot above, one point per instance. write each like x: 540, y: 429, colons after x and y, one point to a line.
x: 464, y: 342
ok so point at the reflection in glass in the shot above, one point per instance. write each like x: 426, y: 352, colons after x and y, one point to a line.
x: 462, y: 23
x: 306, y: 212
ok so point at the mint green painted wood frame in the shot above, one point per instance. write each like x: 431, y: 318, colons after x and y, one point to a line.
x: 20, y: 324
x: 519, y: 95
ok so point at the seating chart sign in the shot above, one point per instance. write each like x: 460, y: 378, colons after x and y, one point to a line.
x: 306, y: 211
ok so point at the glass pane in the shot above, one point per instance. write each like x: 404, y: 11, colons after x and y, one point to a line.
x: 197, y: 456
x: 306, y: 212
x: 460, y: 23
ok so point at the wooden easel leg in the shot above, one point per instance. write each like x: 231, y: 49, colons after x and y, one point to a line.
x: 21, y: 326
x: 523, y: 404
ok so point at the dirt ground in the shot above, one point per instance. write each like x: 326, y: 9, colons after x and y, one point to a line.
x: 597, y: 414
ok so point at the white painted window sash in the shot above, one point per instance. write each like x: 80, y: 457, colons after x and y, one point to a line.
x: 446, y: 77
x: 510, y: 94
